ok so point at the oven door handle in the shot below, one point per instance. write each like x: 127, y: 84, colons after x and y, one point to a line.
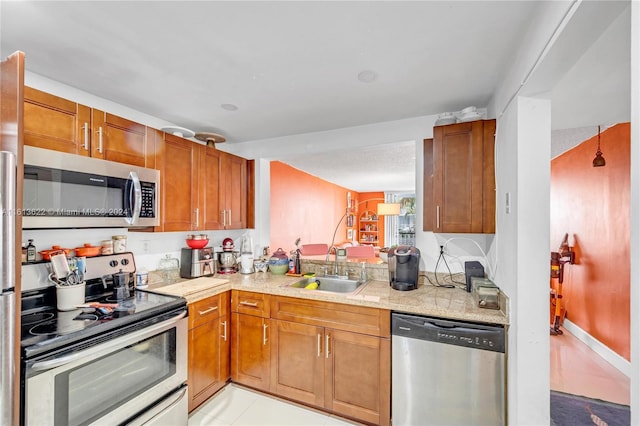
x: 99, y: 349
x: 157, y: 411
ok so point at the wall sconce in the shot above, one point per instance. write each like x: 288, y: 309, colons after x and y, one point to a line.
x: 599, y: 161
x: 388, y: 209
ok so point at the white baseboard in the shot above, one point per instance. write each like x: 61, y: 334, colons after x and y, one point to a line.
x: 601, y: 349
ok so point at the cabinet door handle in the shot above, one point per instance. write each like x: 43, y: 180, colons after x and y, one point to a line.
x: 437, y: 217
x: 327, y: 350
x: 100, y: 139
x: 229, y: 217
x: 319, y: 345
x: 206, y: 311
x: 224, y: 218
x: 196, y: 212
x: 252, y: 304
x: 224, y: 333
x: 85, y: 129
x: 264, y: 334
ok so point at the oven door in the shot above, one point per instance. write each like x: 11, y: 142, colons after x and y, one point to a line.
x: 114, y: 381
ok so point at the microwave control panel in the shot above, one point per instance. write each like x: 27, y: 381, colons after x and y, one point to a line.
x: 148, y: 191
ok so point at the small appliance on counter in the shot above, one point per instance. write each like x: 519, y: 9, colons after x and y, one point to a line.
x: 404, y: 263
x: 196, y: 263
x: 227, y: 258
x: 486, y: 293
x: 246, y: 255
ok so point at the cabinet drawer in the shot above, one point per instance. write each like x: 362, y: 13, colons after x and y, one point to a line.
x: 208, y: 309
x: 358, y: 319
x: 249, y: 303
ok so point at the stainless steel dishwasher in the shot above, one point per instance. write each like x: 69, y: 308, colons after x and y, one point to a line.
x: 446, y: 372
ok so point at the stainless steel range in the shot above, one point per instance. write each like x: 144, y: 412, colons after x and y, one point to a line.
x: 116, y: 362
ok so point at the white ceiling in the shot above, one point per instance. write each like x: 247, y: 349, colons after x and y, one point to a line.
x: 289, y: 67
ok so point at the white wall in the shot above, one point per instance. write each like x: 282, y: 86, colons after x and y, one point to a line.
x: 522, y: 146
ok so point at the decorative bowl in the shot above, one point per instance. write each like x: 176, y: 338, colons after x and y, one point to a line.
x: 197, y: 244
x: 261, y: 266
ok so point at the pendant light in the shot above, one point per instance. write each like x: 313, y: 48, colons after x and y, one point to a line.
x: 598, y: 161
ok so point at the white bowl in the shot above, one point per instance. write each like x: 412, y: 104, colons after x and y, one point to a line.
x: 468, y: 110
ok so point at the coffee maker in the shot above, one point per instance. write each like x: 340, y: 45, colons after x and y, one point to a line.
x: 404, y: 263
x: 196, y: 263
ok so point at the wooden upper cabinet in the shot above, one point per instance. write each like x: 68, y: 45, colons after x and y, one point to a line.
x: 223, y: 200
x: 203, y: 188
x: 233, y: 180
x: 210, y: 197
x: 459, y: 178
x: 118, y: 139
x: 52, y: 122
x: 177, y: 160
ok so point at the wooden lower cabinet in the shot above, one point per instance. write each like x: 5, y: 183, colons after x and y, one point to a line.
x: 298, y: 362
x: 357, y: 376
x: 250, y: 347
x: 343, y: 372
x: 326, y: 355
x: 209, y: 343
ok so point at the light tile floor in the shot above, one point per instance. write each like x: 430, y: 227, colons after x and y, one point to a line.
x: 579, y: 370
x: 235, y: 405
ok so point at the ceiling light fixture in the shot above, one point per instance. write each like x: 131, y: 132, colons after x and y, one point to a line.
x: 210, y: 138
x: 229, y: 107
x: 599, y: 161
x: 367, y: 76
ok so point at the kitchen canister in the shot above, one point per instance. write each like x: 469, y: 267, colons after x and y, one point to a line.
x: 68, y: 297
x: 119, y: 243
x: 142, y: 279
x: 106, y: 247
x: 279, y: 262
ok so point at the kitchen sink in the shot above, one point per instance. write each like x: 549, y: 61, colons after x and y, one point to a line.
x: 330, y: 284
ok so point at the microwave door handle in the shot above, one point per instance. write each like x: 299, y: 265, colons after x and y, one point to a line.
x: 135, y: 198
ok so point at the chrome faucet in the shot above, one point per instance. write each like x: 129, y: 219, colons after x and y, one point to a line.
x: 335, y: 272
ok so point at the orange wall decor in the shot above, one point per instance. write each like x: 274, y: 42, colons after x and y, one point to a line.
x: 592, y: 205
x: 369, y: 201
x: 306, y: 207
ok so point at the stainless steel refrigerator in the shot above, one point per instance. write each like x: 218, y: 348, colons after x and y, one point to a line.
x: 8, y: 367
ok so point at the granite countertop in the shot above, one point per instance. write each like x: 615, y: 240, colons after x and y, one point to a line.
x: 453, y: 303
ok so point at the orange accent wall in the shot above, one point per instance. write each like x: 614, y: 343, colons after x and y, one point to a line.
x: 592, y: 205
x: 369, y: 201
x: 306, y: 207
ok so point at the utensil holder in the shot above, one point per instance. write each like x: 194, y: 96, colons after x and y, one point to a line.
x: 68, y: 297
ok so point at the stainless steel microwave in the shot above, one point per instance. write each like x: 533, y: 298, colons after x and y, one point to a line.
x: 71, y: 191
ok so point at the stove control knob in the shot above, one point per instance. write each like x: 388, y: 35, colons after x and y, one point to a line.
x: 113, y: 263
x: 124, y: 262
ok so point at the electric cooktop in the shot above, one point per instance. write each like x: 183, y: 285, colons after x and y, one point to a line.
x: 45, y: 329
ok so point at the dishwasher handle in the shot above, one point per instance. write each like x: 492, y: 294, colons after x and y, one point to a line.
x: 471, y: 335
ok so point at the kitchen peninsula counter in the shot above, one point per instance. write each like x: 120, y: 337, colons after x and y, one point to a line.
x: 427, y: 299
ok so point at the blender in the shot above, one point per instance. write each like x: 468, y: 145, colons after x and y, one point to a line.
x: 246, y: 255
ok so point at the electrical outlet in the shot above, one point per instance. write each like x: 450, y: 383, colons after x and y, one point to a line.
x: 145, y: 246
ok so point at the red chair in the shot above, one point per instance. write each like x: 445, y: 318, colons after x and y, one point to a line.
x: 363, y: 251
x: 313, y: 249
